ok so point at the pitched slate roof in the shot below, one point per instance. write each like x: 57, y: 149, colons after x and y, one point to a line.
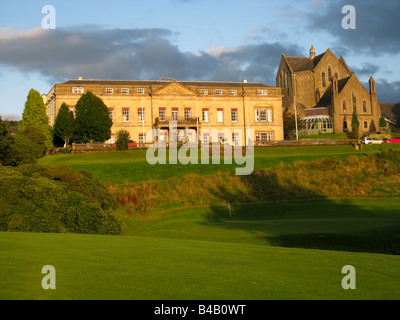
x: 324, y: 111
x: 303, y: 63
x: 164, y: 82
x: 326, y: 99
x: 297, y: 64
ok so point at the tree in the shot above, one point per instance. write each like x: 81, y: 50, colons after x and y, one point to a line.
x: 382, y: 122
x: 289, y: 125
x: 16, y: 150
x: 64, y: 125
x: 92, y: 119
x: 122, y: 140
x: 36, y: 136
x: 355, y: 125
x: 6, y: 142
x: 34, y: 115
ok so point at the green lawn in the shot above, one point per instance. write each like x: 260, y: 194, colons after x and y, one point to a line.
x: 345, y: 225
x: 132, y: 166
x: 264, y: 252
x: 267, y: 250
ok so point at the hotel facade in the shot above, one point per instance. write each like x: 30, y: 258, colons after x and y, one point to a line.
x: 204, y: 111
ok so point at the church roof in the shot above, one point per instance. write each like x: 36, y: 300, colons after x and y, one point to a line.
x: 326, y: 99
x: 342, y: 83
x: 303, y: 63
x: 297, y: 64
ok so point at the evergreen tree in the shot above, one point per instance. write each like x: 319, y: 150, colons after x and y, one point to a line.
x: 64, y: 124
x: 34, y: 115
x: 122, y: 140
x: 92, y: 119
x: 382, y: 122
x: 355, y: 125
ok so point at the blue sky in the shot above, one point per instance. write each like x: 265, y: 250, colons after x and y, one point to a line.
x: 188, y: 40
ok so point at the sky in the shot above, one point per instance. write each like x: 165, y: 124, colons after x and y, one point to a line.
x: 197, y: 40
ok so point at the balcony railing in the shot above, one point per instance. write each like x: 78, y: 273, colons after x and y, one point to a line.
x: 179, y: 121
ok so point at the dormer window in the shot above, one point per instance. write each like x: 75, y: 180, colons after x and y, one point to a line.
x: 78, y: 90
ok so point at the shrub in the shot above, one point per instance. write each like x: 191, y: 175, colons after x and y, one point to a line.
x: 38, y: 137
x: 23, y: 151
x: 122, y: 140
x: 16, y: 150
x: 40, y: 199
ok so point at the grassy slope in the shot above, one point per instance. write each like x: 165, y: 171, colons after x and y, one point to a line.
x: 131, y: 166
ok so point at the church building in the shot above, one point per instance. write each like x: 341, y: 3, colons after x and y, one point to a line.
x: 323, y: 92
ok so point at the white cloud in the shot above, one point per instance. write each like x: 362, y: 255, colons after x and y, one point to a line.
x: 217, y: 52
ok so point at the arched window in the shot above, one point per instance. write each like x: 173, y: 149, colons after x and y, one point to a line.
x: 317, y: 95
x: 284, y: 79
x: 337, y: 74
x: 365, y: 124
x: 344, y: 106
x: 345, y: 128
x: 364, y: 106
x: 323, y: 79
x: 354, y: 101
x: 329, y: 73
x: 287, y: 81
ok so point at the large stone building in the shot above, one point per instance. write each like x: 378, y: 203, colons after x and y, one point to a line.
x: 207, y: 111
x: 324, y: 92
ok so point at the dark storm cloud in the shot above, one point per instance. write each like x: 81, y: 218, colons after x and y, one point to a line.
x: 377, y: 25
x: 388, y: 91
x: 367, y: 69
x: 60, y: 54
x: 92, y: 52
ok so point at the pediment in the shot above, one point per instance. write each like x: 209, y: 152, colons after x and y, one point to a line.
x: 174, y: 88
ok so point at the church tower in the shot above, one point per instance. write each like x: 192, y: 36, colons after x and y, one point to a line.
x: 313, y: 52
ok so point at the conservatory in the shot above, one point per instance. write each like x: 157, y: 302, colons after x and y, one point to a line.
x: 315, y: 124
